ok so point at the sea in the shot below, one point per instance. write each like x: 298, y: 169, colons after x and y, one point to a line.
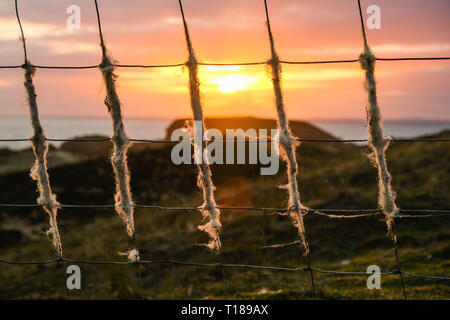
x: 12, y: 127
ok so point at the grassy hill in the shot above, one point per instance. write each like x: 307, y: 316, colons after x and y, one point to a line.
x: 338, y: 177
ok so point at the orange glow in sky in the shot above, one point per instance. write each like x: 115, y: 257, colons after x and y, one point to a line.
x: 229, y: 79
x: 151, y: 32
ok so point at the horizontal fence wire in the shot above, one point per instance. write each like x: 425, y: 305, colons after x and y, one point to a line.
x: 224, y: 64
x: 251, y: 140
x: 222, y: 265
x: 331, y: 213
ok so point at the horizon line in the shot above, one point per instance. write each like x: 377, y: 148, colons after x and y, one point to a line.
x: 415, y: 119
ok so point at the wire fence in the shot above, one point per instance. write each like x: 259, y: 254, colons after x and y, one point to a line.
x: 274, y: 63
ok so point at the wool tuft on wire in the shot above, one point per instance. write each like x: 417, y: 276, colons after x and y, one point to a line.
x: 47, y: 199
x: 204, y: 181
x: 123, y: 198
x: 376, y: 141
x: 288, y: 143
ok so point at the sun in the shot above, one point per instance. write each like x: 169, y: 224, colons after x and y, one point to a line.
x: 228, y: 79
x: 230, y: 83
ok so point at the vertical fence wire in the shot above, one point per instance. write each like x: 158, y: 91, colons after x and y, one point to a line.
x: 288, y: 147
x: 121, y: 142
x: 209, y: 208
x: 379, y: 145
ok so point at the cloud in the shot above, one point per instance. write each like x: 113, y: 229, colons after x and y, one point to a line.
x: 4, y: 83
x: 10, y: 30
x: 413, y: 48
x: 387, y: 48
x: 309, y: 12
x: 241, y: 22
x: 62, y: 47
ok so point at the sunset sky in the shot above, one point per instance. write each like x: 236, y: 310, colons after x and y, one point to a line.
x: 151, y: 32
